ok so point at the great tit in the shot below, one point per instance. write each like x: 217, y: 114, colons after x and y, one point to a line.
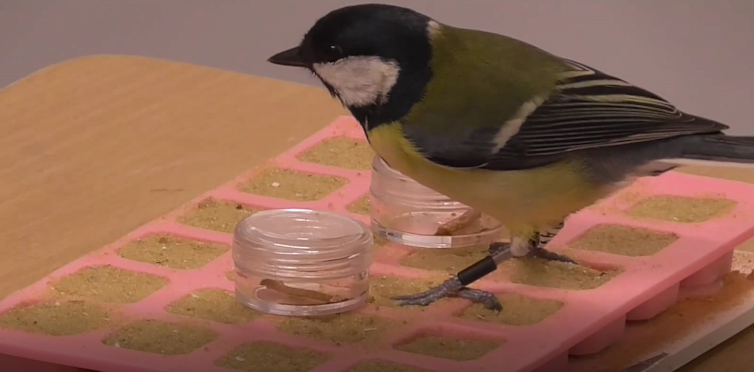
x: 509, y: 129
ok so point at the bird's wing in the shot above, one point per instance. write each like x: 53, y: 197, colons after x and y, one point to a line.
x: 589, y: 109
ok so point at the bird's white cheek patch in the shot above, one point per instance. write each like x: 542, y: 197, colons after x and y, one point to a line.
x: 360, y: 81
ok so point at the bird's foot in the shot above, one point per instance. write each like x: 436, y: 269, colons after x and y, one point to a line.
x: 550, y: 256
x: 451, y: 288
x: 487, y: 299
x: 447, y: 289
x: 497, y: 249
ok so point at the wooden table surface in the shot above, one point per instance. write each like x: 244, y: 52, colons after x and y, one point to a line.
x: 94, y: 147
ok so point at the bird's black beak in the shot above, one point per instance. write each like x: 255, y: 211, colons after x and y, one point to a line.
x: 290, y: 57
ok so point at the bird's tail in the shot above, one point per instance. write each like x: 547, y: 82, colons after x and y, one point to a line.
x: 717, y: 150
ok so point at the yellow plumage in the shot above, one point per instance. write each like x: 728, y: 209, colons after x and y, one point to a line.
x: 524, y: 201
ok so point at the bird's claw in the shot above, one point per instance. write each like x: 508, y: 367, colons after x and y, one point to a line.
x: 451, y: 288
x: 446, y: 289
x: 421, y: 299
x: 550, y: 256
x: 487, y: 299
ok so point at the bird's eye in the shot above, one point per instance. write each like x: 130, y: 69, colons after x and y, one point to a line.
x: 333, y: 53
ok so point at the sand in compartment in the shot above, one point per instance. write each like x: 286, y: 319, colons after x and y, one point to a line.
x: 346, y: 328
x: 292, y: 185
x: 382, y: 288
x: 623, y: 240
x: 340, y: 152
x: 445, y: 260
x: 110, y: 284
x: 56, y: 318
x: 449, y: 348
x: 552, y: 274
x: 158, y: 337
x: 360, y: 206
x: 265, y: 356
x: 383, y: 366
x: 680, y: 209
x: 518, y: 310
x: 172, y: 252
x: 215, y: 305
x: 217, y: 215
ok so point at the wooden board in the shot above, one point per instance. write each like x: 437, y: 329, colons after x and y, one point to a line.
x: 94, y: 147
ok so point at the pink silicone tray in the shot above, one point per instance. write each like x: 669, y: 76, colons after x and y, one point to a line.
x: 588, y: 322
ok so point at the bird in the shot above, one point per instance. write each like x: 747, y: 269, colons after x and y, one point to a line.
x: 507, y: 128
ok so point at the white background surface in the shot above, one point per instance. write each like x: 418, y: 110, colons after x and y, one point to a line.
x: 697, y: 53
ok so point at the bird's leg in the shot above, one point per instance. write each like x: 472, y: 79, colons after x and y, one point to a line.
x: 538, y: 243
x: 498, y: 253
x: 458, y: 223
x: 457, y: 285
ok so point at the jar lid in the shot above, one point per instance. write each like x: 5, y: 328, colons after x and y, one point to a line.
x: 303, y: 231
x: 302, y: 243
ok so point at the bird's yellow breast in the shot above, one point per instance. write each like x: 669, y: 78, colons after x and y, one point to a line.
x: 521, y: 200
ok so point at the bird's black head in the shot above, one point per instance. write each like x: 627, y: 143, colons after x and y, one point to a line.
x: 374, y: 58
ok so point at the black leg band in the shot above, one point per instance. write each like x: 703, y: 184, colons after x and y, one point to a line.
x: 477, y: 271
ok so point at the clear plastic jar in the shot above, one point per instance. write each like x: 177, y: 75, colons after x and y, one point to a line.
x: 408, y: 213
x: 301, y: 262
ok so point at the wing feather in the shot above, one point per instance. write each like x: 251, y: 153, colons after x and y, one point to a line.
x: 591, y: 109
x: 588, y: 109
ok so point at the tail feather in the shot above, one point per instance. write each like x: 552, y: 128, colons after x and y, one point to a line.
x: 717, y: 150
